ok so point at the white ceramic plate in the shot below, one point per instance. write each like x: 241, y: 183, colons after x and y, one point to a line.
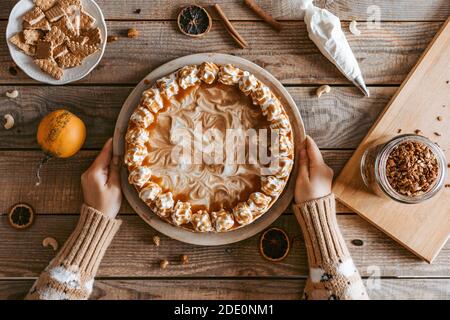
x: 26, y: 63
x: 208, y: 238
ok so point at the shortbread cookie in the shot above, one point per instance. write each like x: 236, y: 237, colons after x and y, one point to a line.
x: 55, y: 13
x: 86, y: 20
x: 69, y: 60
x: 60, y: 51
x: 34, y: 16
x: 68, y: 3
x: 44, y: 50
x: 50, y: 67
x: 44, y: 4
x: 19, y: 41
x: 74, y: 15
x: 94, y: 35
x: 55, y: 36
x: 65, y: 26
x: 32, y: 36
x: 81, y: 50
x: 80, y: 39
x: 43, y: 25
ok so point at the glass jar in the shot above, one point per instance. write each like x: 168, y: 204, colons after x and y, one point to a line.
x: 374, y: 175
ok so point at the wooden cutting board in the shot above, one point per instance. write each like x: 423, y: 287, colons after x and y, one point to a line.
x: 423, y: 96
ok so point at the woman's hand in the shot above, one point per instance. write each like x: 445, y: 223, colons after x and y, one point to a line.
x: 101, y: 183
x: 314, y: 177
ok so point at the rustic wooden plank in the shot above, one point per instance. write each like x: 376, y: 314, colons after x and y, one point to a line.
x: 338, y: 120
x: 61, y: 180
x: 133, y: 254
x: 406, y: 10
x: 242, y: 289
x: 385, y: 55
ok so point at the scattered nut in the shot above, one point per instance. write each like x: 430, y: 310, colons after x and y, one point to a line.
x: 133, y: 33
x: 437, y: 134
x: 12, y: 94
x: 156, y: 241
x: 112, y: 38
x: 439, y: 118
x: 412, y: 168
x: 354, y: 29
x: 184, y: 259
x: 417, y: 131
x: 163, y: 264
x: 9, y: 121
x: 323, y: 89
x: 49, y: 241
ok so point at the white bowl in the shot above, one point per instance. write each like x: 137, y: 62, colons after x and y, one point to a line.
x: 25, y: 62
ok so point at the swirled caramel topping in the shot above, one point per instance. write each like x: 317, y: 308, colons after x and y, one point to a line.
x: 182, y: 213
x: 208, y: 72
x: 242, y: 213
x: 201, y: 221
x: 271, y: 185
x: 222, y: 220
x: 223, y: 195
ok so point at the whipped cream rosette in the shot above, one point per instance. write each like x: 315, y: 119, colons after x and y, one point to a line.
x: 205, y: 195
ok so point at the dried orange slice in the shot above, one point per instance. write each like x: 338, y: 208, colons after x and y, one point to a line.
x: 194, y: 21
x: 274, y: 244
x: 21, y: 216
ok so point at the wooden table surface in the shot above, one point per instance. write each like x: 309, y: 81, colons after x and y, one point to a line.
x: 338, y: 122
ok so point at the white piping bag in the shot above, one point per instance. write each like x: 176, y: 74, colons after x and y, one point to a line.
x: 325, y: 30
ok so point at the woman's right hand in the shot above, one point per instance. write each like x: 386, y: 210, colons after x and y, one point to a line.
x: 314, y: 177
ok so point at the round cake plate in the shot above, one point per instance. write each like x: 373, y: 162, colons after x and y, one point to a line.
x: 26, y: 64
x: 208, y: 239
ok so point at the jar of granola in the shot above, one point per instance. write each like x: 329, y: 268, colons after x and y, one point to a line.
x: 408, y: 168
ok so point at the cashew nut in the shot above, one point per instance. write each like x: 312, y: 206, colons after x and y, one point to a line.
x: 12, y: 94
x: 49, y: 241
x: 323, y: 89
x: 9, y: 121
x: 353, y: 28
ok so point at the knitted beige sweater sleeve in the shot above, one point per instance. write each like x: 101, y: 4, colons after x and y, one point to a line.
x: 332, y: 274
x: 70, y: 275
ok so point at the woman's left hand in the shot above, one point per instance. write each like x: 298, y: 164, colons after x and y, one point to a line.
x: 101, y: 182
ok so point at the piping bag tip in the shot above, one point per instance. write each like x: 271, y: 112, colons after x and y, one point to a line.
x: 361, y: 85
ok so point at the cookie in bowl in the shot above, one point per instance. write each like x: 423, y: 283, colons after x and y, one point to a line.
x: 209, y: 148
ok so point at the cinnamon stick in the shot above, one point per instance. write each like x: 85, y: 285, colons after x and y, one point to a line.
x: 264, y: 15
x: 229, y: 27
